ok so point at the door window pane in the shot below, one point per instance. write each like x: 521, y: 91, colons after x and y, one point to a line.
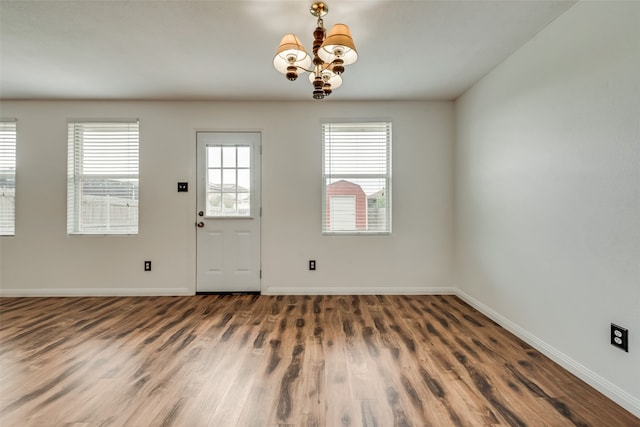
x: 229, y: 157
x: 229, y: 180
x: 244, y: 180
x: 214, y: 157
x: 244, y: 157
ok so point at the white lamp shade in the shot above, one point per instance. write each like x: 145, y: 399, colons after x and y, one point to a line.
x: 338, y: 40
x: 334, y: 80
x: 291, y: 48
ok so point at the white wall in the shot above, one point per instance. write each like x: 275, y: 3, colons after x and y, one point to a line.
x: 548, y: 193
x: 416, y: 258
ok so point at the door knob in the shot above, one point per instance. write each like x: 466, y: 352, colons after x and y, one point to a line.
x: 200, y: 224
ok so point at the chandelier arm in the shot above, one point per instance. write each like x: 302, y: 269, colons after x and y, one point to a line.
x: 303, y: 69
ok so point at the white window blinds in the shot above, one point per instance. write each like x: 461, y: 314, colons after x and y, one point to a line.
x: 356, y: 177
x: 7, y: 178
x: 102, y: 189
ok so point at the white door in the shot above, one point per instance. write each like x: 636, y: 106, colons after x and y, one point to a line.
x: 342, y: 213
x: 228, y: 212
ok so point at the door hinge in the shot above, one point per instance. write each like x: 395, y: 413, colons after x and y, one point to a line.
x: 260, y: 211
x: 261, y: 274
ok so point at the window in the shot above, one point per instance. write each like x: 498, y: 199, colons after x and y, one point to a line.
x: 102, y: 186
x: 356, y: 166
x: 228, y: 180
x: 7, y: 178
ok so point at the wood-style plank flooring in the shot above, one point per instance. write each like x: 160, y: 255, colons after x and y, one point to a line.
x: 249, y: 360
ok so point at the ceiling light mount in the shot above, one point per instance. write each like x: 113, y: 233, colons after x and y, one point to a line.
x: 319, y: 9
x: 331, y: 52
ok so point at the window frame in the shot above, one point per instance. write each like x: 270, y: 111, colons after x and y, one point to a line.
x: 76, y: 176
x: 386, y: 177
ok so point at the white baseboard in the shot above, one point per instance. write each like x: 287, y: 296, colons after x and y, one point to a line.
x: 275, y: 290
x: 612, y: 391
x: 98, y: 292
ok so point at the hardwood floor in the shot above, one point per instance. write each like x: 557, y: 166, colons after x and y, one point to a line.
x: 279, y: 361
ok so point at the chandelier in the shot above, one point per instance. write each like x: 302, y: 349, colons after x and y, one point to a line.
x: 330, y: 55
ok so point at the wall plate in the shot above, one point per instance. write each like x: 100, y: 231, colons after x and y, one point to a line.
x: 620, y: 337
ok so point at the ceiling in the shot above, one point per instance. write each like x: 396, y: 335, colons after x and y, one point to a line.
x: 223, y: 50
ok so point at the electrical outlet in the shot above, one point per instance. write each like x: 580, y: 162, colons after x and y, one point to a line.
x: 183, y: 187
x: 312, y: 264
x: 147, y: 266
x: 620, y: 337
